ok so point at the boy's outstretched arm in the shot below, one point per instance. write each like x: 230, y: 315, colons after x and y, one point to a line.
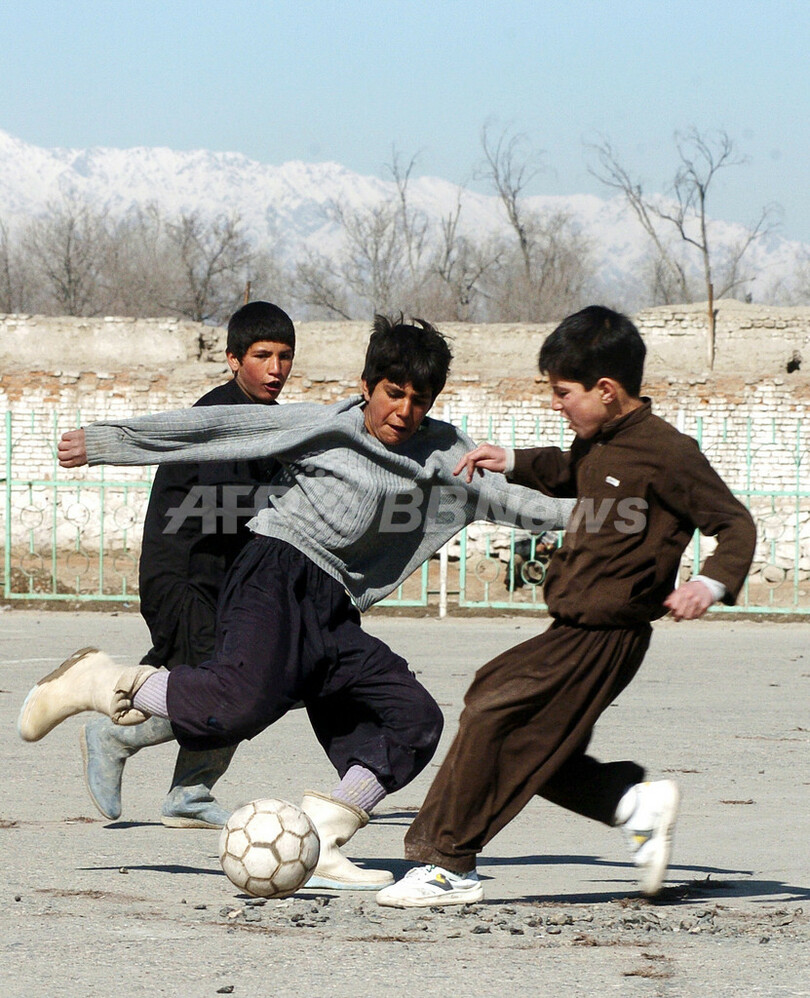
x: 485, y: 457
x: 204, y: 433
x: 72, y: 449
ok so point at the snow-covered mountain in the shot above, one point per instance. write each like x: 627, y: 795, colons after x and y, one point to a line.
x: 286, y: 206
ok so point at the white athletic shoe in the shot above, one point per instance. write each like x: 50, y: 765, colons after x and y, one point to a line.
x: 426, y: 886
x: 648, y: 831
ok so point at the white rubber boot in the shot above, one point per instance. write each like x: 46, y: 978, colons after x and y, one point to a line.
x: 88, y: 680
x: 336, y: 822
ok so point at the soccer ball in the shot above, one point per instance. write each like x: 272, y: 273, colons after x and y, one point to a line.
x: 269, y: 848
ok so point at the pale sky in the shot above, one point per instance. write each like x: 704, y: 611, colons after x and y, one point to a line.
x: 345, y: 80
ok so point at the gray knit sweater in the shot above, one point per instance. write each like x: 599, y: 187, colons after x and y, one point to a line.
x: 367, y: 514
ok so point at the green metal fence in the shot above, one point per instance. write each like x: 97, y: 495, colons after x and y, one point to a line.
x: 780, y: 581
x: 765, y: 461
x: 68, y: 537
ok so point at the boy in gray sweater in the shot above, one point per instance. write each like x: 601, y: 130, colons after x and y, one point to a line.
x: 369, y: 494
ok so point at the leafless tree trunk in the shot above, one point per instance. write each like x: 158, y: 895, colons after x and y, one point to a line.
x: 140, y: 274
x: 269, y: 279
x: 375, y: 263
x: 686, y: 214
x: 670, y: 280
x: 370, y: 272
x: 509, y: 170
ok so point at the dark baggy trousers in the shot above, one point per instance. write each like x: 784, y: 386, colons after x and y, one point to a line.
x: 526, y: 723
x: 192, y: 632
x: 287, y: 632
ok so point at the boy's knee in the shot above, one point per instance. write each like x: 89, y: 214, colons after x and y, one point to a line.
x: 492, y: 699
x: 219, y: 704
x: 422, y: 738
x: 246, y: 719
x: 429, y: 721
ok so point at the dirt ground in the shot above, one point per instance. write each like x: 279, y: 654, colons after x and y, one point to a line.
x: 130, y: 907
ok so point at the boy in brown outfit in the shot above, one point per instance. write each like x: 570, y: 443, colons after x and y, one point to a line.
x: 642, y: 489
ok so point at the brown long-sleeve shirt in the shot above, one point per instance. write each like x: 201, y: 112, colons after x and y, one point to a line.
x: 642, y: 488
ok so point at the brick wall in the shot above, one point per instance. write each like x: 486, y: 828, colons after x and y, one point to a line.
x: 751, y: 340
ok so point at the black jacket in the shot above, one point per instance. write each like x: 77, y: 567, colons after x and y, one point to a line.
x: 185, y: 557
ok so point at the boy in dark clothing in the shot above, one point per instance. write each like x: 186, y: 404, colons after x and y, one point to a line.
x: 642, y: 489
x: 195, y: 526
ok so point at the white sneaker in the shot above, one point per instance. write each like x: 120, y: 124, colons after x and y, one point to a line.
x: 425, y: 886
x: 648, y: 831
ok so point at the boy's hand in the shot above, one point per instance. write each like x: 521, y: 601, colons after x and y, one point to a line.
x: 485, y: 456
x: 72, y: 449
x: 689, y: 601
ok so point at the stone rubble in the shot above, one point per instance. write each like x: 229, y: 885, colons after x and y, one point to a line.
x: 622, y: 921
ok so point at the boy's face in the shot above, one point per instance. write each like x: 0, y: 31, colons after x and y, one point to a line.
x: 587, y: 410
x: 263, y: 371
x: 394, y: 412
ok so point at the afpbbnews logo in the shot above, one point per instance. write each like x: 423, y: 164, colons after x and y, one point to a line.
x: 224, y: 509
x: 448, y: 505
x: 220, y: 509
x: 627, y: 515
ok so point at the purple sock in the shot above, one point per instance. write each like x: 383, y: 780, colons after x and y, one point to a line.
x: 151, y: 697
x: 360, y: 787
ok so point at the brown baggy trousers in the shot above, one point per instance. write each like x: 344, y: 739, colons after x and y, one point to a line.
x: 526, y: 723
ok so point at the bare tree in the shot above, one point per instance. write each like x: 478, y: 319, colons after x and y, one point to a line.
x: 392, y: 254
x: 186, y: 266
x: 509, y: 169
x: 390, y: 257
x: 15, y: 278
x: 444, y: 267
x: 374, y: 264
x: 7, y: 296
x: 269, y: 278
x: 559, y: 282
x: 799, y: 293
x: 67, y: 248
x: 457, y: 269
x: 550, y: 267
x: 318, y: 285
x: 414, y: 225
x: 564, y: 266
x: 140, y: 271
x: 685, y: 212
x: 368, y: 273
x: 208, y: 261
x: 669, y: 278
x: 77, y: 260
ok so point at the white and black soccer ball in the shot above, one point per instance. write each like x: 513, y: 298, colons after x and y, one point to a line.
x: 269, y: 848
